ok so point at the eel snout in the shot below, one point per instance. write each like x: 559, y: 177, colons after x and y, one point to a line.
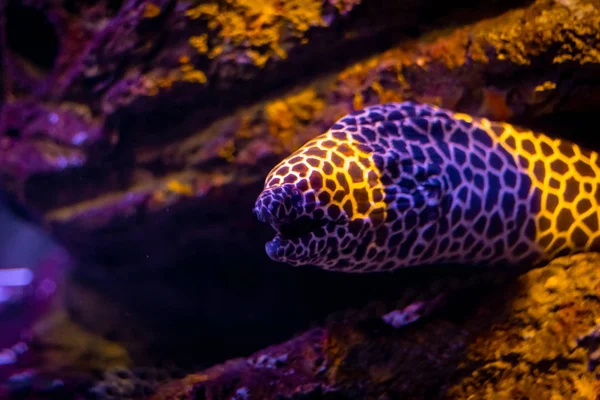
x: 296, y: 220
x: 278, y: 205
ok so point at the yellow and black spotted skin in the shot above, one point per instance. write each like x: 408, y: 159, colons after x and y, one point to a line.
x: 406, y: 184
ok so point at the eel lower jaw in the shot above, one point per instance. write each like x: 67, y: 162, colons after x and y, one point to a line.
x: 275, y: 248
x: 293, y: 234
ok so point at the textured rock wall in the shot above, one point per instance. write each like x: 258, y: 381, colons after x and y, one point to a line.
x: 138, y: 133
x: 153, y: 106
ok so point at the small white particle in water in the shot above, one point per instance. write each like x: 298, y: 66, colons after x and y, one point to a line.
x: 79, y: 138
x: 61, y: 162
x: 7, y: 357
x: 53, y: 118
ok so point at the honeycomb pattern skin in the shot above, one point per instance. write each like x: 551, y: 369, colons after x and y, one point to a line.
x: 406, y: 184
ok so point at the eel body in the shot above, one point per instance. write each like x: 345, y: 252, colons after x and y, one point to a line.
x: 406, y: 184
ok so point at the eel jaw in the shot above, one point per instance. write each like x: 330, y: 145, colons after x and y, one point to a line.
x: 293, y: 234
x: 298, y: 224
x: 272, y: 248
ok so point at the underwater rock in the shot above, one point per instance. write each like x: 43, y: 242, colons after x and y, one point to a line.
x: 534, y: 338
x: 118, y: 127
x: 175, y: 184
x: 141, y: 131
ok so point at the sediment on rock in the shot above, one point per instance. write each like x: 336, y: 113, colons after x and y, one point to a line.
x: 534, y: 338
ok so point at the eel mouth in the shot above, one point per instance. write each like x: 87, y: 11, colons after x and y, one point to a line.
x: 301, y: 227
x: 292, y: 234
x: 292, y: 241
x: 297, y: 228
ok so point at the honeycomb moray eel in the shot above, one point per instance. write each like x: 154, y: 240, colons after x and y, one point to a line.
x: 406, y: 184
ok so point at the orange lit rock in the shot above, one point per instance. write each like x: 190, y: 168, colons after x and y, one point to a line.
x: 533, y: 338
